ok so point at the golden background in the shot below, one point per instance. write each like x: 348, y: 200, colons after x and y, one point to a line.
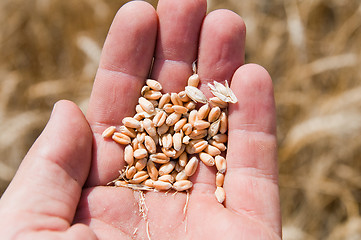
x: 49, y: 50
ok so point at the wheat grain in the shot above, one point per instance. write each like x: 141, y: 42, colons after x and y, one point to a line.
x: 220, y: 194
x: 153, y: 84
x: 219, y: 179
x: 109, y: 132
x: 221, y: 163
x: 193, y: 80
x: 191, y: 166
x: 182, y: 185
x: 121, y: 138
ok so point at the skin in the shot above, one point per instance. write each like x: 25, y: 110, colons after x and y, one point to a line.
x: 59, y: 190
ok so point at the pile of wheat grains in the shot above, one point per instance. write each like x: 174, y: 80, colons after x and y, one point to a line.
x: 170, y: 134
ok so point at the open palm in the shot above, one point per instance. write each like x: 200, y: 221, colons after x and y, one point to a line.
x: 71, y: 163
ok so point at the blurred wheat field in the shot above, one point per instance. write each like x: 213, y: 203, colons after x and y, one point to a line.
x: 50, y: 50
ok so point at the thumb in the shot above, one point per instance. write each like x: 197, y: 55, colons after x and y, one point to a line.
x: 47, y: 186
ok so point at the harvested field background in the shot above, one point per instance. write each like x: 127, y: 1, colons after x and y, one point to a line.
x: 50, y: 51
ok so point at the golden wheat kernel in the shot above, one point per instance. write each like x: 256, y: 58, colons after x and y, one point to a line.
x: 179, y: 125
x: 181, y: 176
x: 159, y: 118
x: 223, y: 123
x: 121, y: 138
x: 221, y: 164
x: 217, y: 102
x: 193, y: 80
x: 153, y: 84
x: 160, y: 158
x: 221, y: 146
x: 153, y: 95
x: 152, y: 170
x: 129, y: 155
x: 214, y: 114
x: 166, y: 178
x: 190, y: 105
x: 179, y: 109
x: 183, y: 97
x: 175, y: 99
x: 203, y: 111
x: 183, y: 159
x: 222, y: 138
x: 149, y: 127
x: 211, y: 150
x: 220, y: 194
x: 201, y: 124
x: 182, y: 185
x: 148, y: 183
x: 173, y: 118
x: 219, y: 179
x: 140, y: 164
x: 213, y: 129
x: 198, y: 134
x: 150, y: 145
x: 140, y: 153
x: 164, y: 100
x: 162, y: 186
x: 199, y: 146
x: 139, y: 177
x: 192, y: 118
x: 207, y: 159
x: 196, y: 146
x: 167, y: 140
x: 170, y: 152
x: 128, y: 131
x: 177, y: 141
x: 187, y: 128
x: 146, y: 105
x: 191, y: 166
x: 168, y: 108
x: 131, y: 122
x: 109, y: 132
x: 195, y: 94
x: 139, y: 174
x: 130, y: 172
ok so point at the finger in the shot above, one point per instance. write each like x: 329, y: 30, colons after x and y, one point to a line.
x: 251, y: 179
x: 177, y: 44
x: 46, y: 189
x: 221, y: 49
x: 124, y: 66
x: 221, y: 52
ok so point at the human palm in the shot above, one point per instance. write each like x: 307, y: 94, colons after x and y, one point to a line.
x: 70, y: 164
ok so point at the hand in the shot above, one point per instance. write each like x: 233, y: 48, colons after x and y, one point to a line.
x: 59, y: 190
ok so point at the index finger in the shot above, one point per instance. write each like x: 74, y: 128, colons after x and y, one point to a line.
x: 125, y: 62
